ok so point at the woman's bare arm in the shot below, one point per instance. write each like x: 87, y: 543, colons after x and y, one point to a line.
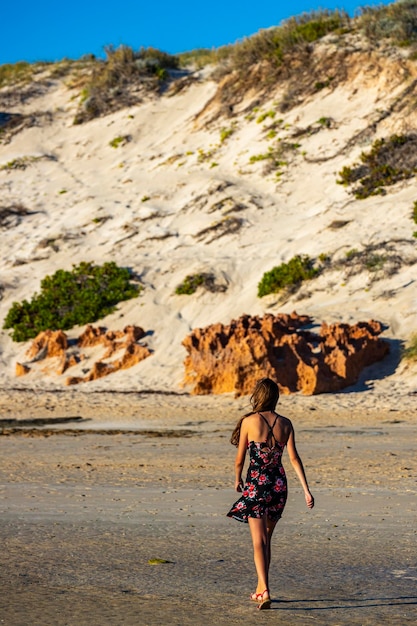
x: 299, y: 468
x: 241, y: 455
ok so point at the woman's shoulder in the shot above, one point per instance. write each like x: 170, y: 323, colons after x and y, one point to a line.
x: 251, y: 421
x: 251, y: 418
x: 285, y: 421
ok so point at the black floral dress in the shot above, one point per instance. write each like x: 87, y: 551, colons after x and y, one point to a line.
x: 265, y: 490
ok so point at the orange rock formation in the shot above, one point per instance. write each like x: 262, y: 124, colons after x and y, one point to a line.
x: 55, y: 344
x: 47, y: 344
x: 232, y: 358
x: 21, y: 369
x: 132, y: 355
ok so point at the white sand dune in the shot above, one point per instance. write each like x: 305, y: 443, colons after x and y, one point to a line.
x: 146, y: 203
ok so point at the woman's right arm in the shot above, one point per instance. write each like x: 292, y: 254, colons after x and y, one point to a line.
x: 241, y: 455
x: 299, y: 468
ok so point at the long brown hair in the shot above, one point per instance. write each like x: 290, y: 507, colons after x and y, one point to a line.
x: 265, y: 397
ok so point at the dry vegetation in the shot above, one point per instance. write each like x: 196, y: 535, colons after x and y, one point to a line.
x: 192, y: 282
x: 388, y: 162
x: 11, y: 215
x: 226, y: 226
x: 285, y: 53
x: 381, y: 260
x: 121, y: 80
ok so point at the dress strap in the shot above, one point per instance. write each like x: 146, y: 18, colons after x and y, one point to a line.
x: 271, y: 428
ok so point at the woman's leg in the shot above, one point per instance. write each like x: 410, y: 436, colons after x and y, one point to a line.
x: 270, y: 526
x: 261, y: 551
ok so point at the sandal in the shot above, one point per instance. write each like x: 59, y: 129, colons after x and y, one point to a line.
x: 265, y: 603
x: 255, y: 597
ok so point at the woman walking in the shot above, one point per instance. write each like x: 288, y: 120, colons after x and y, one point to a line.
x: 265, y: 434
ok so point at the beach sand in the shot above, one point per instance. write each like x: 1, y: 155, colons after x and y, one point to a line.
x: 98, y: 480
x: 87, y: 503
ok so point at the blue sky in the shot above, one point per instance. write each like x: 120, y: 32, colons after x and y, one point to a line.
x: 50, y: 30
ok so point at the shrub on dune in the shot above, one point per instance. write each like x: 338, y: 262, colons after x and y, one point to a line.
x: 111, y: 83
x: 84, y: 295
x: 287, y: 275
x: 410, y: 352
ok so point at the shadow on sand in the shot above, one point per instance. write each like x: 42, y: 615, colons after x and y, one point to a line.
x: 380, y: 370
x: 316, y: 604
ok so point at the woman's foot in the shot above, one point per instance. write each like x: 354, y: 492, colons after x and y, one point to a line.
x: 256, y: 597
x: 264, y: 600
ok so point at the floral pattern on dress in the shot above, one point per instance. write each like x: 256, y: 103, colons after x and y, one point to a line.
x: 265, y: 489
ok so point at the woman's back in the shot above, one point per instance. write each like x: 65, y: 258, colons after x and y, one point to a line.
x: 269, y: 427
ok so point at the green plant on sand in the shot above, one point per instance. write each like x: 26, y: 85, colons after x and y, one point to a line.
x: 287, y: 275
x: 81, y: 296
x: 190, y: 284
x: 410, y: 352
x: 388, y: 162
x: 206, y: 280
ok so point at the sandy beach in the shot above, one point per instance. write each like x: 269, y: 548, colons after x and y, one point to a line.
x: 88, y: 501
x: 103, y: 477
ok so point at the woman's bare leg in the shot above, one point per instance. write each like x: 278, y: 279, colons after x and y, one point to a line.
x: 261, y: 551
x: 270, y: 526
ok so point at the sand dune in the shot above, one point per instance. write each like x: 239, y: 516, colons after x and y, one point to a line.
x: 174, y: 198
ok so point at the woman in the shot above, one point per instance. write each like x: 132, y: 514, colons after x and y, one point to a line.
x: 265, y: 434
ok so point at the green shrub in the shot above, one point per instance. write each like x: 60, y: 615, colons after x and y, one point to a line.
x: 388, y: 162
x: 322, y: 84
x: 351, y: 254
x: 68, y: 299
x: 119, y: 141
x: 410, y: 352
x: 375, y: 262
x: 310, y: 27
x: 272, y: 45
x: 190, y: 284
x: 260, y: 157
x: 201, y: 57
x: 277, y: 155
x: 287, y: 275
x: 225, y: 133
x: 325, y: 121
x: 262, y: 117
x: 325, y: 258
x: 206, y: 280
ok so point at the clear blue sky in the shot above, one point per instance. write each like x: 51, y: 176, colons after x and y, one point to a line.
x: 50, y: 30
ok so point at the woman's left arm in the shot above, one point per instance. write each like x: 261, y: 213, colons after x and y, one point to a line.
x: 241, y: 455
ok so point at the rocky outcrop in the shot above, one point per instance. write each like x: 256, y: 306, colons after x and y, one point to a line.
x: 21, y: 369
x: 231, y: 358
x: 47, y: 344
x: 67, y: 361
x: 50, y: 344
x: 112, y: 340
x: 133, y: 354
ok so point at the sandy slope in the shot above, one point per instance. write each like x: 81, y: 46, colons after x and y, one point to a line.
x: 88, y: 204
